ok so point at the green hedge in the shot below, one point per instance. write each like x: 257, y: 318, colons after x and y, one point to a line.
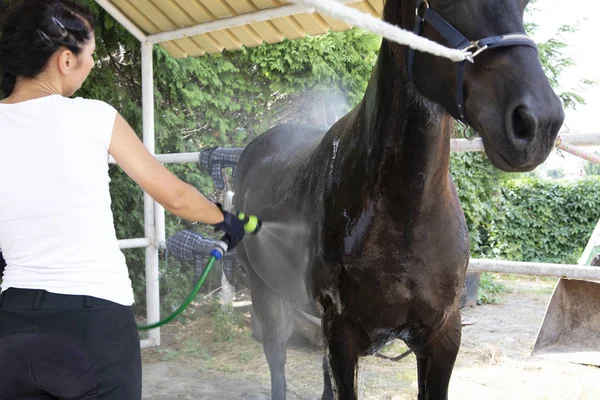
x: 544, y: 221
x: 478, y: 183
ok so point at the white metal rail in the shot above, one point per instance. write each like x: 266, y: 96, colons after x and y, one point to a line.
x: 456, y: 145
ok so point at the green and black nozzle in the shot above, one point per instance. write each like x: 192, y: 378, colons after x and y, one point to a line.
x: 251, y: 222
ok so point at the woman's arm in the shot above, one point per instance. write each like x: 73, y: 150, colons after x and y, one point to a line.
x: 172, y: 193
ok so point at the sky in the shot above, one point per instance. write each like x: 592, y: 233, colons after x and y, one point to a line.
x: 583, y: 49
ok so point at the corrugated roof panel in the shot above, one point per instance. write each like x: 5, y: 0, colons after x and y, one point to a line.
x: 289, y: 27
x: 136, y: 16
x: 155, y: 14
x: 159, y: 16
x: 227, y: 39
x: 313, y: 24
x: 217, y: 8
x: 249, y: 35
x: 378, y: 6
x: 180, y: 17
x: 279, y: 28
x: 214, y: 10
x: 177, y: 14
x: 335, y: 24
x: 269, y: 32
x: 173, y: 49
x: 255, y: 34
x: 363, y: 6
x: 261, y: 4
x: 146, y: 25
x: 241, y: 6
x: 199, y: 14
x: 196, y: 10
x: 163, y: 23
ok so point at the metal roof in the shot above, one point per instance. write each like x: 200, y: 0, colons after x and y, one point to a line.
x: 195, y: 27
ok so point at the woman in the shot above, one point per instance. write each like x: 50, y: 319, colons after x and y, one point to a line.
x: 67, y: 330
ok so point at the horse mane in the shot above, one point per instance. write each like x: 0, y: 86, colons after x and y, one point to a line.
x: 392, y: 11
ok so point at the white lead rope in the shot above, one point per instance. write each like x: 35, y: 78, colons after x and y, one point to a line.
x: 391, y: 32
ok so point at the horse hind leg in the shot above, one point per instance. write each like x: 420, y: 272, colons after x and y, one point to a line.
x: 435, y: 361
x: 274, y: 314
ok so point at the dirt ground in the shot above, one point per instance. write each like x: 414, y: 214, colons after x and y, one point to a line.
x: 493, y: 362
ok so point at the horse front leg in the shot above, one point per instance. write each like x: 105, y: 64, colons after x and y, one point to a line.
x: 273, y: 313
x: 340, y: 365
x: 435, y: 361
x: 327, y: 388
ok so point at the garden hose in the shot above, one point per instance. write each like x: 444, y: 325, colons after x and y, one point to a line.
x: 187, y: 301
x: 251, y: 225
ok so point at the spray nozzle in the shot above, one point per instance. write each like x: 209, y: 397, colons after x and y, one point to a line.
x: 251, y: 223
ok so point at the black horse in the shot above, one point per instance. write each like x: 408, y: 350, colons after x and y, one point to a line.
x: 381, y: 248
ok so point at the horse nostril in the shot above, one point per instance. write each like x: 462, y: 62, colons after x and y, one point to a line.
x: 524, y: 125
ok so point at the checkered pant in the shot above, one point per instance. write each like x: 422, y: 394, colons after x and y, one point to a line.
x: 215, y: 159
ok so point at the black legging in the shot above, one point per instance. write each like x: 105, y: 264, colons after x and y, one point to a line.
x: 67, y: 347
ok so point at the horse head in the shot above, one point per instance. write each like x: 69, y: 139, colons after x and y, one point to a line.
x: 503, y: 93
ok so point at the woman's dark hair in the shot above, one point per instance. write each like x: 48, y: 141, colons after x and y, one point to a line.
x: 31, y: 31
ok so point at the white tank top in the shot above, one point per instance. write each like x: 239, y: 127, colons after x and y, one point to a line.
x: 56, y: 225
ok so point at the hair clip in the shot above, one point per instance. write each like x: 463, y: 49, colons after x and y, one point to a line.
x: 45, y: 38
x: 61, y: 27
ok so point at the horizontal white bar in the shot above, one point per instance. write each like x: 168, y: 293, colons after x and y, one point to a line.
x: 456, y: 145
x: 576, y: 139
x: 123, y: 20
x: 582, y: 139
x: 233, y: 22
x: 134, y: 243
x: 462, y: 145
x: 538, y: 269
x: 174, y: 158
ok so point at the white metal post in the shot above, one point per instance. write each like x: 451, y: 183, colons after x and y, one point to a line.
x: 159, y: 217
x: 152, y: 288
x: 227, y: 290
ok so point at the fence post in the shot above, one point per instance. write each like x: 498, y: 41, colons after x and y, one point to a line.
x: 227, y: 290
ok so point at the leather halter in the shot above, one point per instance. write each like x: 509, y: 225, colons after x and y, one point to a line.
x: 458, y: 41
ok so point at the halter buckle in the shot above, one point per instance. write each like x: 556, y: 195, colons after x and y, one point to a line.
x: 478, y: 50
x: 419, y: 4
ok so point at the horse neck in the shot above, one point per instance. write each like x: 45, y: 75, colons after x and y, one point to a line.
x: 405, y: 137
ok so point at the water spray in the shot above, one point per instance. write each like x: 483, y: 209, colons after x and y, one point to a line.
x: 251, y: 226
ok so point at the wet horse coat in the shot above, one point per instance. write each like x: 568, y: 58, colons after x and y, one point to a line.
x: 383, y: 245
